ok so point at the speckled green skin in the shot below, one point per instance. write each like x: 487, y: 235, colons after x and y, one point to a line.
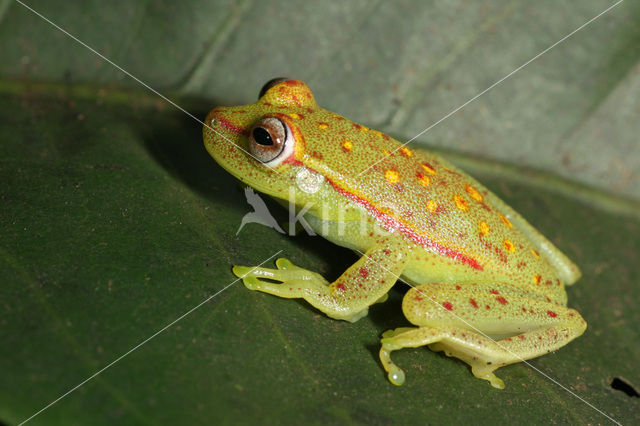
x: 487, y: 287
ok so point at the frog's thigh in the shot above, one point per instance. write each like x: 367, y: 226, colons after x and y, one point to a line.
x: 364, y: 283
x: 569, y: 271
x: 457, y: 320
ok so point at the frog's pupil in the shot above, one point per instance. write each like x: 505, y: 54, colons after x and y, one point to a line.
x: 262, y: 136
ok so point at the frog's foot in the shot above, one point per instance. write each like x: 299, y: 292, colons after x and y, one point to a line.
x: 293, y: 280
x: 392, y: 340
x: 348, y: 298
x: 484, y: 373
x: 433, y: 307
x: 290, y: 281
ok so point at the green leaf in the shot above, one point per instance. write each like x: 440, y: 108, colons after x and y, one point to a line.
x: 115, y: 222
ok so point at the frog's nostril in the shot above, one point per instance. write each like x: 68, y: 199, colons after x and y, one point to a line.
x: 212, y: 118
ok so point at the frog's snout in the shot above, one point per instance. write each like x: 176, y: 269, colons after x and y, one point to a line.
x: 220, y: 124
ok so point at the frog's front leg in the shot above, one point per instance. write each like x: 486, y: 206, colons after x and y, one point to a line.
x: 348, y: 298
x: 458, y: 321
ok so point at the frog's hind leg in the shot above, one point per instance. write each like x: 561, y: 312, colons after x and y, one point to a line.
x: 460, y: 320
x: 348, y: 298
x: 568, y: 271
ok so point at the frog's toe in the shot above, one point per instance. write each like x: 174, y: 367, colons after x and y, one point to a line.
x: 488, y: 375
x: 241, y: 271
x: 390, y: 333
x: 283, y: 263
x: 251, y: 276
x: 396, y: 376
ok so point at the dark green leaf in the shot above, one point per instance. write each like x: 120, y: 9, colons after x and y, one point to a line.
x: 115, y: 221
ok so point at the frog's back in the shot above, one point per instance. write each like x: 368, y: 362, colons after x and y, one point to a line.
x: 426, y: 198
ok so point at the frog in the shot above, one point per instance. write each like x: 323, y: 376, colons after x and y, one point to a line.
x: 486, y: 286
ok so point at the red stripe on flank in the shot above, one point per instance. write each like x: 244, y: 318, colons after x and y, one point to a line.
x: 392, y: 224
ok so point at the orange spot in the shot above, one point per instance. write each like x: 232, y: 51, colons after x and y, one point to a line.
x: 506, y: 221
x: 473, y: 193
x: 536, y: 279
x: 535, y: 253
x: 484, y: 228
x: 323, y: 126
x: 385, y: 152
x: 461, y: 203
x: 432, y: 206
x: 427, y: 168
x: 377, y: 133
x: 347, y: 145
x: 423, y: 179
x: 392, y: 176
x: 406, y: 152
x: 508, y: 245
x: 295, y: 115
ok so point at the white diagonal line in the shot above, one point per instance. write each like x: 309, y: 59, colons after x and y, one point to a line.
x: 494, y: 341
x: 494, y: 84
x: 77, y: 40
x: 144, y: 341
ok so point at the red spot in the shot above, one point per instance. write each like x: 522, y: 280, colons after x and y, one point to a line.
x: 448, y: 306
x: 488, y: 307
x: 494, y: 292
x: 386, y: 252
x: 520, y: 336
x: 316, y: 154
x: 508, y: 339
x: 559, y: 283
x: 364, y: 273
x: 341, y: 287
x: 539, y: 337
x: 458, y: 287
x: 548, y: 282
x: 473, y: 303
x: 502, y: 300
x: 552, y: 314
x: 524, y: 309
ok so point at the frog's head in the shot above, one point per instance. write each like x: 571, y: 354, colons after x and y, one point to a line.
x: 263, y: 144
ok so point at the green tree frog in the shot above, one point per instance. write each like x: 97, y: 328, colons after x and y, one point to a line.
x: 486, y: 286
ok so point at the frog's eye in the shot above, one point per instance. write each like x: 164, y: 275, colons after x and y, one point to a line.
x: 269, y: 84
x: 269, y: 141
